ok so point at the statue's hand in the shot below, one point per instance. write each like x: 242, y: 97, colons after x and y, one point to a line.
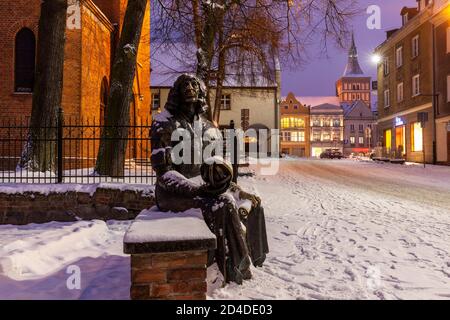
x: 256, y: 201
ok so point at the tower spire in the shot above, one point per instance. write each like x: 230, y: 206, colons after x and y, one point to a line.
x: 353, y: 52
x: 353, y: 68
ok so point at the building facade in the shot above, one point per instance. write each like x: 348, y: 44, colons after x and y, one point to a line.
x: 295, y: 127
x: 405, y: 86
x: 441, y: 24
x: 360, y: 129
x: 354, y: 92
x: 249, y: 107
x: 93, y: 29
x: 327, y: 128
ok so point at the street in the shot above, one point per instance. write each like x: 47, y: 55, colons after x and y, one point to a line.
x: 353, y: 230
x: 337, y: 229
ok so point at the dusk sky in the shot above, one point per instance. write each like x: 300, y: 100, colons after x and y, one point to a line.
x: 318, y: 76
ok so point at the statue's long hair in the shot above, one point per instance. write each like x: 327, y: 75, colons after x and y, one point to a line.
x: 174, y: 100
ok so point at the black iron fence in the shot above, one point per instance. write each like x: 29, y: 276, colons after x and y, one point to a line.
x: 72, y: 144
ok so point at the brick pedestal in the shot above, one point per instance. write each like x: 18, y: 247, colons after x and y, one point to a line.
x: 177, y: 275
x: 168, y: 262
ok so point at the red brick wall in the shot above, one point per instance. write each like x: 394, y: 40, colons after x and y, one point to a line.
x: 71, y: 100
x: 87, y: 59
x: 111, y: 8
x: 169, y: 276
x: 14, y: 16
x: 95, y: 62
x: 105, y: 204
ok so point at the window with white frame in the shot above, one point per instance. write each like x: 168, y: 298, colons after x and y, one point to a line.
x: 298, y: 136
x: 387, y: 98
x: 156, y: 101
x: 400, y: 92
x: 416, y: 85
x: 316, y: 136
x: 352, y: 140
x: 335, y: 135
x: 415, y: 46
x: 399, y: 57
x: 405, y: 18
x: 316, y: 122
x: 301, y: 136
x: 225, y: 102
x: 286, y: 136
x: 386, y: 66
x: 361, y: 140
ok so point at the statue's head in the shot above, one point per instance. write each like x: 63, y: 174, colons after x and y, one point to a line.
x: 188, y: 92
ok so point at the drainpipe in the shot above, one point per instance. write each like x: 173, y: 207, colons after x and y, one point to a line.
x: 435, y: 95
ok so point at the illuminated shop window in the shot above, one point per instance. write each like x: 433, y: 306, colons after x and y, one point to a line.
x: 388, y: 139
x: 416, y: 137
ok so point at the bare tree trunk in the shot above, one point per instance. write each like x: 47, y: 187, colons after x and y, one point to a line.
x: 205, y: 52
x: 113, y: 146
x: 39, y: 153
x: 197, y: 22
x: 220, y: 73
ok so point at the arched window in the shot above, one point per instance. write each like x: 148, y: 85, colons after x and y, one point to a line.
x: 104, y: 91
x: 25, y: 60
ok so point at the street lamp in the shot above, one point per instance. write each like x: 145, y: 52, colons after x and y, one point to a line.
x: 376, y: 58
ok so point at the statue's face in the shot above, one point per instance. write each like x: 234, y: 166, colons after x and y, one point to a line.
x: 190, y: 91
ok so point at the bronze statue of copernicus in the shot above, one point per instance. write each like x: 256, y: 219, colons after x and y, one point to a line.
x: 241, y: 234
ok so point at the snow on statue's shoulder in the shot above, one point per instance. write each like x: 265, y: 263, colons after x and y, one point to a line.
x: 155, y: 226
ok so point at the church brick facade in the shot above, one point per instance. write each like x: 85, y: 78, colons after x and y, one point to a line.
x: 93, y: 31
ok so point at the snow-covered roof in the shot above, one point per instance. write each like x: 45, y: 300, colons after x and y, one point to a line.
x: 348, y: 108
x: 326, y: 107
x: 316, y: 100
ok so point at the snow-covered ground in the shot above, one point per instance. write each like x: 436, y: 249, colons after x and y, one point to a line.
x: 337, y: 230
x: 34, y: 260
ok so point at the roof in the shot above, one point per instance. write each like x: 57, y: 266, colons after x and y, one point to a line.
x: 411, y: 11
x: 326, y: 107
x: 413, y: 14
x: 348, y: 108
x: 316, y: 100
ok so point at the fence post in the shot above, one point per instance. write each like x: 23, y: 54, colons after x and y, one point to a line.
x: 235, y: 161
x: 59, y: 147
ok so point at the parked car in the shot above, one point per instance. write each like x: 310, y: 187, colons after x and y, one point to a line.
x: 331, y: 154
